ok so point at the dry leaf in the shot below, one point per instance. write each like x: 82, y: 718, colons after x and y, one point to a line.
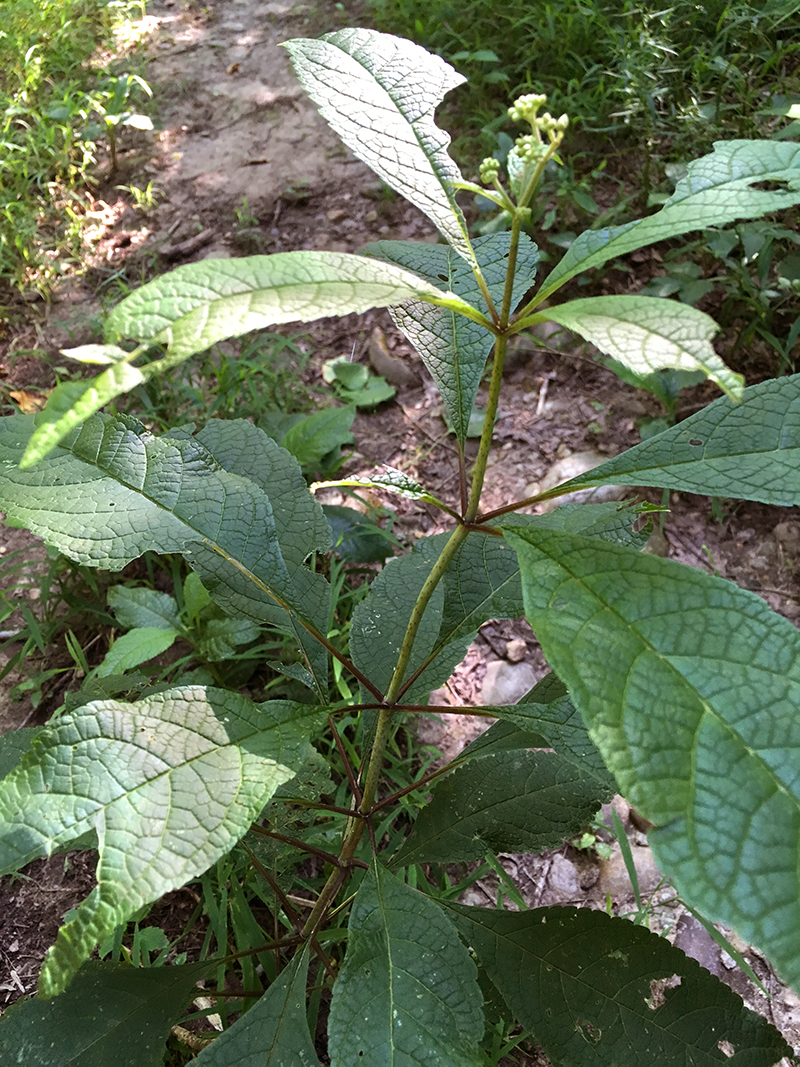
x: 29, y: 403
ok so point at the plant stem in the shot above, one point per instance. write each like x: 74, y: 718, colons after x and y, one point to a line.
x: 479, y: 470
x: 355, y: 829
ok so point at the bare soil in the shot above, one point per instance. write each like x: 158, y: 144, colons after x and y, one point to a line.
x: 246, y: 165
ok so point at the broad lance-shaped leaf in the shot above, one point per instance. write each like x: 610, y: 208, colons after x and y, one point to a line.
x: 601, y: 992
x: 300, y: 524
x: 274, y: 1032
x: 169, y: 784
x: 379, y: 93
x: 407, y: 992
x: 750, y: 450
x: 690, y: 688
x: 648, y: 334
x: 717, y: 189
x: 455, y: 349
x: 511, y: 801
x: 198, y: 304
x: 167, y: 494
x: 112, y: 1013
x: 139, y: 606
x: 547, y: 710
x: 71, y: 403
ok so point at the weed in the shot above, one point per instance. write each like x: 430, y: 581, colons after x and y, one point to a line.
x: 295, y: 814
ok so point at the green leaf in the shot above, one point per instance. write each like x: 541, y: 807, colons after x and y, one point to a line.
x: 548, y: 710
x: 96, y: 354
x: 314, y: 436
x: 379, y: 93
x: 138, y: 606
x: 381, y: 618
x: 196, y: 305
x: 483, y: 581
x: 689, y: 686
x: 169, y: 784
x: 376, y: 391
x: 355, y: 538
x: 111, y: 1014
x: 647, y: 334
x: 599, y: 991
x: 749, y: 451
x: 71, y: 403
x: 513, y: 801
x: 717, y: 189
x: 274, y: 1032
x: 221, y: 637
x: 13, y: 746
x: 300, y: 525
x: 136, y: 646
x: 407, y: 993
x: 195, y: 597
x: 170, y: 494
x: 453, y: 348
x: 394, y: 480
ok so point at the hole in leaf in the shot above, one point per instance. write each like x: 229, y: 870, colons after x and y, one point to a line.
x: 657, y: 991
x: 442, y: 277
x: 771, y: 185
x: 589, y: 1031
x: 726, y: 1048
x: 695, y: 441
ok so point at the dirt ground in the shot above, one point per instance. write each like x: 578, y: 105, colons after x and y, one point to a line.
x: 245, y: 165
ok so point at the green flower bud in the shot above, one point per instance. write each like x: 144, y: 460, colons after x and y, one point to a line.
x: 489, y: 169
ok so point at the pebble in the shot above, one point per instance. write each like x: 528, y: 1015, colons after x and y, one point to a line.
x: 506, y: 683
x: 571, y: 466
x: 516, y: 649
x: 787, y: 534
x: 563, y: 878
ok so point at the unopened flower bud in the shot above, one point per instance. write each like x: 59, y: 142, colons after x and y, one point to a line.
x: 489, y: 169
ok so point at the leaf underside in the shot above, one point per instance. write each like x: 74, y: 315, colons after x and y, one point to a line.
x: 169, y: 784
x: 453, y: 348
x: 379, y: 93
x: 749, y: 451
x: 689, y: 686
x: 717, y: 189
x: 173, y: 494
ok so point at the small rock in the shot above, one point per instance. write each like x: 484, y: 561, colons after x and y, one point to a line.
x: 516, y: 649
x: 371, y: 216
x: 630, y: 407
x: 787, y: 534
x: 384, y: 363
x: 571, y: 466
x: 589, y: 876
x: 563, y: 878
x: 336, y: 214
x: 506, y: 683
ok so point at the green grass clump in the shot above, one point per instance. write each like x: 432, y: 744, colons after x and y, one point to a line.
x: 685, y: 72
x: 48, y: 97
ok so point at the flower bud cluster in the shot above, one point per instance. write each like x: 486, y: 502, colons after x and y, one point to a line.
x: 532, y: 147
x: 489, y: 170
x: 525, y: 108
